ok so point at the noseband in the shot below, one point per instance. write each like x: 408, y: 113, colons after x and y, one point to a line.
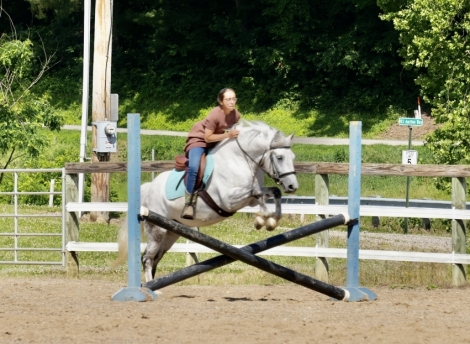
x: 275, y: 175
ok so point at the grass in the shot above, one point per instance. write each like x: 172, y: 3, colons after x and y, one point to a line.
x: 179, y: 114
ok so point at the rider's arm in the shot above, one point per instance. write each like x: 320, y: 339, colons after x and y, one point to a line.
x: 209, y: 135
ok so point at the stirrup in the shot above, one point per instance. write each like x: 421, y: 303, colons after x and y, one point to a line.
x: 188, y: 212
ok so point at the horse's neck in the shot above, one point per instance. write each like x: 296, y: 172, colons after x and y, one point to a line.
x: 233, y: 149
x: 233, y: 160
x: 236, y: 177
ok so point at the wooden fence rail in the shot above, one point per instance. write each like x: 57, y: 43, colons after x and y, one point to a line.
x: 451, y: 171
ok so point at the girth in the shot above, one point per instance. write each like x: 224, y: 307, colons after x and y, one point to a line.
x: 210, y: 202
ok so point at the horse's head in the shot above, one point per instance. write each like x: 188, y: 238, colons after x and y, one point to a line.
x: 271, y: 151
x: 281, y: 162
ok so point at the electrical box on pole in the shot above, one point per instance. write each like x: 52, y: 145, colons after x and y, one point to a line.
x: 106, y: 137
x: 106, y: 131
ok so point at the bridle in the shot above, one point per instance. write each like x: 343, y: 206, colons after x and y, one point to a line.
x: 275, y: 175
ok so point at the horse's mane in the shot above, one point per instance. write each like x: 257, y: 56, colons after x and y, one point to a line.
x: 260, y: 134
x: 259, y: 125
x: 255, y: 125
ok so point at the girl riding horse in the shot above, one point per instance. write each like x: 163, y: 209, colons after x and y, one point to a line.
x: 204, y: 135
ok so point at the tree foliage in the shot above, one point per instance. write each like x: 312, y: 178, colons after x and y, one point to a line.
x: 319, y: 54
x: 22, y: 113
x: 434, y: 38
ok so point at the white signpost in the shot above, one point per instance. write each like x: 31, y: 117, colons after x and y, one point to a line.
x: 409, y: 157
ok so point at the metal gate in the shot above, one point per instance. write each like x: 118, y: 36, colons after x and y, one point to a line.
x: 31, y: 234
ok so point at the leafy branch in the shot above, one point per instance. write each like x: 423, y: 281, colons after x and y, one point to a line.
x: 23, y: 114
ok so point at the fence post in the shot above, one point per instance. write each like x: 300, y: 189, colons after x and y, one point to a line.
x: 458, y: 230
x: 72, y: 225
x: 321, y: 239
x: 51, y: 190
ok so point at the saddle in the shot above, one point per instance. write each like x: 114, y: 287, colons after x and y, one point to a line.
x: 181, y: 164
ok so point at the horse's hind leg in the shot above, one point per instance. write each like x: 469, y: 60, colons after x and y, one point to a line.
x: 159, y: 241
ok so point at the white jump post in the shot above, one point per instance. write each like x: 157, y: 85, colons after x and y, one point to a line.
x: 354, y: 201
x: 134, y: 290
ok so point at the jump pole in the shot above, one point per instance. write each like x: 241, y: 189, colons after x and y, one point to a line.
x: 354, y: 201
x: 244, y: 256
x: 260, y: 246
x: 134, y: 291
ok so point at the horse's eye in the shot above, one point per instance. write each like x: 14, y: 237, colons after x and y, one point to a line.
x: 280, y: 157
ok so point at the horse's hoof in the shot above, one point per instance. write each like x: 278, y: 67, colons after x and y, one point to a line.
x: 259, y: 222
x: 271, y: 224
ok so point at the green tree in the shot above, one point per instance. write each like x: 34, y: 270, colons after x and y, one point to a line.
x: 319, y: 54
x: 339, y: 52
x: 22, y: 113
x: 434, y: 38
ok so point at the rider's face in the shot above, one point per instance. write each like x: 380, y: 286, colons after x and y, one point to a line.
x: 229, y: 101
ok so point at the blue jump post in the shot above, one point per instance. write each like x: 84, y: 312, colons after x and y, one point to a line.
x: 354, y: 201
x: 134, y: 290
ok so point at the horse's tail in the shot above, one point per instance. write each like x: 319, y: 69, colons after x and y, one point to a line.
x: 122, y: 245
x: 122, y: 235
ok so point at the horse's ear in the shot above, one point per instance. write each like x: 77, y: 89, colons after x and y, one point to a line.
x: 278, y: 140
x: 290, y: 138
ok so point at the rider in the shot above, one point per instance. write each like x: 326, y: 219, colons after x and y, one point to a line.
x: 205, y: 134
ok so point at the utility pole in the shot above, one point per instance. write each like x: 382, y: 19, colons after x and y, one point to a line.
x: 101, y: 98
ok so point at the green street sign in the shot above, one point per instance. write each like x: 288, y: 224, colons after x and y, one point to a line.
x: 415, y: 122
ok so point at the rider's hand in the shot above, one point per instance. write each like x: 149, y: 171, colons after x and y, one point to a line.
x: 233, y: 133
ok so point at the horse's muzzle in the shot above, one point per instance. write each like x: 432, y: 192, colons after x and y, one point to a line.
x: 290, y: 188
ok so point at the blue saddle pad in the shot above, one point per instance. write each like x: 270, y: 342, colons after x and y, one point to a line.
x: 175, y: 188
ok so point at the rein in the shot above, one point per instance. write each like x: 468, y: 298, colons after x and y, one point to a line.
x: 276, y: 176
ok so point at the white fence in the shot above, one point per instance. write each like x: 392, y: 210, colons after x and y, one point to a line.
x: 17, y: 237
x: 428, y: 257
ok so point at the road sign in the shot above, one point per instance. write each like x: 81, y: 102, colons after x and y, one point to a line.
x: 414, y: 122
x: 409, y: 157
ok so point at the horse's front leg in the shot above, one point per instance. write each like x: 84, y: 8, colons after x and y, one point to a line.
x: 264, y: 217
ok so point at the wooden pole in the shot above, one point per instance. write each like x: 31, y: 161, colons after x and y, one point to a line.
x: 458, y: 230
x: 321, y: 239
x: 101, y: 102
x: 72, y: 226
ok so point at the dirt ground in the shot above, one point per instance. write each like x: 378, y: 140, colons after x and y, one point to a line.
x: 41, y: 310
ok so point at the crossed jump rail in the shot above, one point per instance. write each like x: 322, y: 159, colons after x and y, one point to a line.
x: 246, y: 254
